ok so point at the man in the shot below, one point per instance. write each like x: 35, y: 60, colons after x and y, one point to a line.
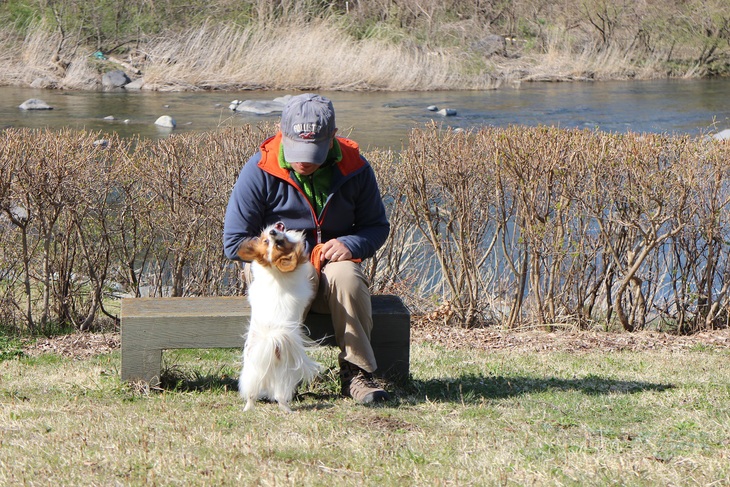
x: 311, y: 180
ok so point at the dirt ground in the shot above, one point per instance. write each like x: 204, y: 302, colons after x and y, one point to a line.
x: 84, y: 345
x: 566, y: 340
x: 77, y: 345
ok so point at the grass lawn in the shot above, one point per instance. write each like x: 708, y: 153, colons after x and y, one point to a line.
x: 471, y: 415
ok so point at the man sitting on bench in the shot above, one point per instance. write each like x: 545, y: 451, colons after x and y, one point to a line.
x: 311, y: 180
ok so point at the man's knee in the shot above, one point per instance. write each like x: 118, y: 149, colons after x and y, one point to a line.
x: 345, y: 277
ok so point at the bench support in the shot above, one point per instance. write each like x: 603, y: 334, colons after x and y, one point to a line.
x: 151, y: 325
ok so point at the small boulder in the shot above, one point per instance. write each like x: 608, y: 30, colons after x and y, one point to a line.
x: 260, y: 107
x: 722, y: 135
x: 135, y: 85
x: 35, y: 104
x: 166, y: 121
x: 114, y: 79
x: 447, y: 112
x: 19, y: 213
x: 491, y: 45
x: 283, y: 100
x: 43, y: 83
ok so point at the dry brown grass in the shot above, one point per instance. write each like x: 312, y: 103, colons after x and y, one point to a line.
x: 315, y: 55
x: 561, y: 60
x: 34, y: 57
x: 288, y: 56
x: 388, y: 45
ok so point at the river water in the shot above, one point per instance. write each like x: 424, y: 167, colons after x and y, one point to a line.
x: 384, y: 119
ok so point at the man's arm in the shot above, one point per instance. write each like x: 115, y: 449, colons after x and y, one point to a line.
x: 371, y: 227
x: 244, y: 214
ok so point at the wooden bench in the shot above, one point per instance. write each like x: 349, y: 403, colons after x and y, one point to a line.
x: 151, y: 325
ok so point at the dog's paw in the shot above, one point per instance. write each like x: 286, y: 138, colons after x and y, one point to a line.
x: 248, y: 249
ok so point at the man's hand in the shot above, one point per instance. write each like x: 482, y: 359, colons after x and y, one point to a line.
x: 334, y: 251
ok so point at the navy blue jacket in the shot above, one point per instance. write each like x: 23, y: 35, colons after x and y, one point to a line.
x: 265, y: 193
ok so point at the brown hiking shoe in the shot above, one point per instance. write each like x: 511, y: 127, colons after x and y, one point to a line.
x: 359, y: 385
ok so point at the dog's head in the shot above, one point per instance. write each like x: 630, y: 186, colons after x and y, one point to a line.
x: 275, y: 247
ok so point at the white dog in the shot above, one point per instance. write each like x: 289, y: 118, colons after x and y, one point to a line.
x: 275, y: 356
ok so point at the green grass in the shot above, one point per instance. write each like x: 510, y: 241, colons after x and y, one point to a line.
x: 464, y: 418
x: 10, y: 347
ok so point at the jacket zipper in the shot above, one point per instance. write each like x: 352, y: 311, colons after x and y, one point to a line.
x: 317, y: 226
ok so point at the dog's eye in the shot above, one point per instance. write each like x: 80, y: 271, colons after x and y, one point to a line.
x: 266, y: 241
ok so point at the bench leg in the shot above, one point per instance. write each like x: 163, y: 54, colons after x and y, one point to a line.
x: 143, y: 365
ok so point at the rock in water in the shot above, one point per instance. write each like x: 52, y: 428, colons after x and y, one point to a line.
x: 34, y: 104
x: 260, y: 107
x: 166, y: 121
x: 114, y: 79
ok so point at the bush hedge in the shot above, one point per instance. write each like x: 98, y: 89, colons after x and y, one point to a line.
x: 501, y: 226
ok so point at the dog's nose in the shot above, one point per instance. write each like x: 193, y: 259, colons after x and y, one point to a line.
x: 272, y: 232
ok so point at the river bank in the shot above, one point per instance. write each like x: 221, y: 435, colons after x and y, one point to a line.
x: 322, y: 55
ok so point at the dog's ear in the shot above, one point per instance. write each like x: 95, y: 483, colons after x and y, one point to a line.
x: 287, y: 263
x: 248, y: 250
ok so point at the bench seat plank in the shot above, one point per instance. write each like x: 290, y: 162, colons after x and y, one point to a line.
x: 151, y: 325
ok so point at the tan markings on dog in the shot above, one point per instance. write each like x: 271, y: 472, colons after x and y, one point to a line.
x: 286, y: 255
x: 249, y: 249
x: 273, y: 248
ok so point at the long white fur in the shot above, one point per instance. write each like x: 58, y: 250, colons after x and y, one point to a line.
x: 278, y: 302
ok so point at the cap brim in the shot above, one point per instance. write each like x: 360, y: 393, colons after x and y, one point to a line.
x: 310, y: 152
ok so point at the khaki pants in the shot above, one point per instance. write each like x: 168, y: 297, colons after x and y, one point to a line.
x: 343, y: 292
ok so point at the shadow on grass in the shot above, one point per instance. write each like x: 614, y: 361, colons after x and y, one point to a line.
x: 468, y: 388
x: 181, y: 380
x: 473, y: 388
x: 176, y: 379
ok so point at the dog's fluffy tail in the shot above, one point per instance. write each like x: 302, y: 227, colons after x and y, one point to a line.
x: 277, y: 356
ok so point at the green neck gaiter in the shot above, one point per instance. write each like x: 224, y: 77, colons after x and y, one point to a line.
x: 317, y: 185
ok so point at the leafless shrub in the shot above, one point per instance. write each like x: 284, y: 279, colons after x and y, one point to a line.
x: 592, y: 227
x: 515, y: 226
x: 48, y: 172
x: 183, y: 183
x: 397, y: 266
x: 451, y: 197
x: 698, y: 258
x: 85, y: 219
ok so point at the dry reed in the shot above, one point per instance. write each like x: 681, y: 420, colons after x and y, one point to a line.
x: 383, y: 46
x: 314, y: 55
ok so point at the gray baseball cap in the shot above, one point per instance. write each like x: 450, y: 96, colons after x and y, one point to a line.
x: 308, y: 123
